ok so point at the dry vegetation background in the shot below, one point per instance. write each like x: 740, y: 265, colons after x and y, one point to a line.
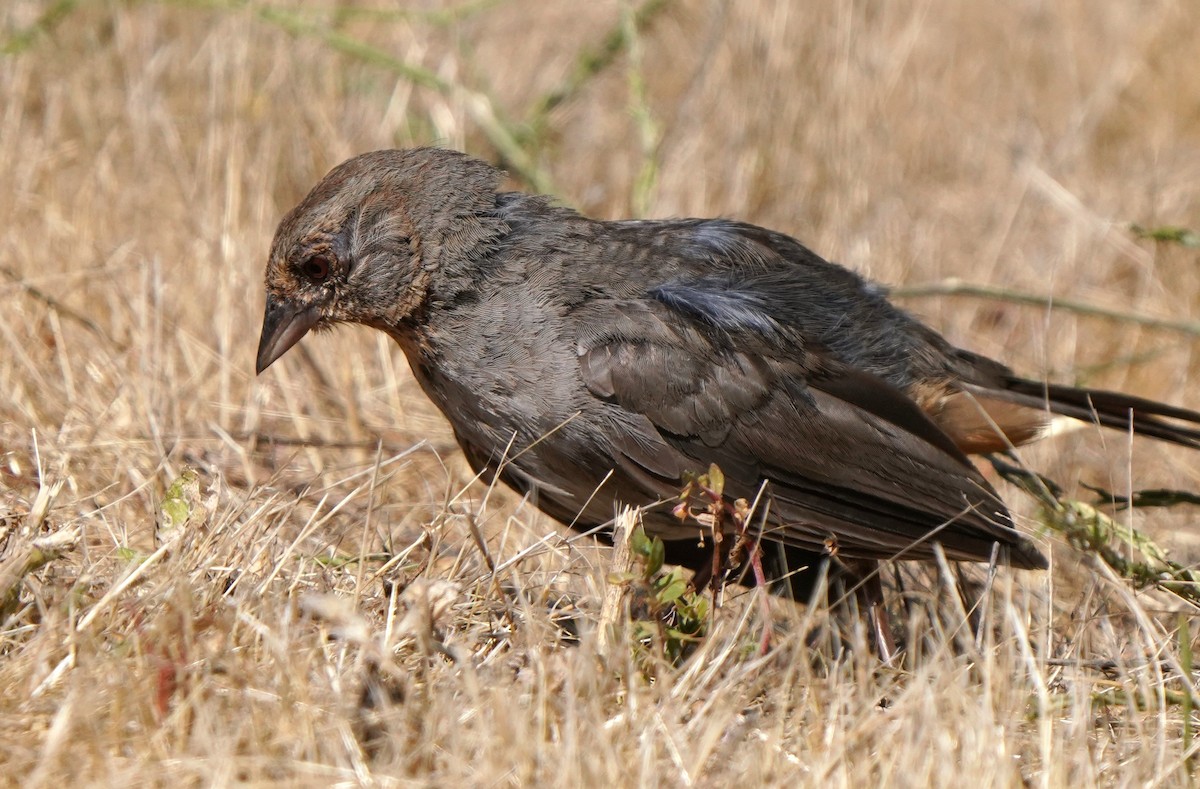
x: 295, y: 630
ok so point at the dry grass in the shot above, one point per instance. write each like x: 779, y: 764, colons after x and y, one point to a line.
x: 148, y: 148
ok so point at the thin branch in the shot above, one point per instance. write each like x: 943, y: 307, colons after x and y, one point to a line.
x: 649, y: 133
x: 956, y: 287
x: 478, y: 105
x: 268, y: 439
x: 45, y: 298
x: 592, y: 62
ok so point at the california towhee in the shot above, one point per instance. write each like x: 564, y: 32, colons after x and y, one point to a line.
x: 591, y: 361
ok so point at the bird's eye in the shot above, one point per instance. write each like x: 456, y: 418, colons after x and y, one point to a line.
x: 316, y: 269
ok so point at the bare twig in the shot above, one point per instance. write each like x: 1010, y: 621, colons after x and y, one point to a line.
x: 480, y: 106
x: 649, y: 133
x: 956, y: 287
x: 62, y: 309
x: 592, y: 62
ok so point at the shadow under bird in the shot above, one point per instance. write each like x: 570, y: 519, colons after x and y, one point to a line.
x: 591, y: 361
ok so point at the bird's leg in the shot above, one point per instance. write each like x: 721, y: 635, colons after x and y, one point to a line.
x: 869, y: 591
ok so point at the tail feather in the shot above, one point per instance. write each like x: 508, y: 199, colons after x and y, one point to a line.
x: 1110, y: 409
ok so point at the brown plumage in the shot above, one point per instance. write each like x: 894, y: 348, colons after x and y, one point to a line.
x: 593, y: 361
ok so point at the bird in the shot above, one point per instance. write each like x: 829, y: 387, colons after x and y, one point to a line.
x: 586, y: 362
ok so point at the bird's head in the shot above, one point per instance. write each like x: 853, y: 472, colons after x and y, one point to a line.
x: 366, y: 243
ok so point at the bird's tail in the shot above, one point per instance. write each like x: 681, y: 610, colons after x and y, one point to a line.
x: 1110, y: 409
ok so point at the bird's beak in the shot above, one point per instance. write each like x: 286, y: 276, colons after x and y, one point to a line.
x: 283, y: 326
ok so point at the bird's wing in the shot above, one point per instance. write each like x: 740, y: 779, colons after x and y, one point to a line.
x: 847, y: 457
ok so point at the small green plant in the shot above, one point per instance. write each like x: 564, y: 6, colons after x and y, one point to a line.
x: 1130, y: 553
x: 669, y: 618
x: 703, y: 500
x: 1170, y: 234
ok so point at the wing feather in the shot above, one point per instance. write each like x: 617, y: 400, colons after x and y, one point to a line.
x: 847, y: 457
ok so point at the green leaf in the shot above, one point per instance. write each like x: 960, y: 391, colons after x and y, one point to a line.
x: 639, y: 543
x: 656, y: 557
x: 126, y: 554
x: 1155, y: 497
x: 716, y: 479
x: 643, y: 630
x: 670, y: 587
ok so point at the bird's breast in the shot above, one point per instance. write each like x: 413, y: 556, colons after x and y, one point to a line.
x: 497, y: 372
